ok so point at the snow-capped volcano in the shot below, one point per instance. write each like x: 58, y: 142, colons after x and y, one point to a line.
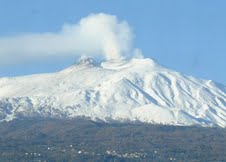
x: 123, y: 90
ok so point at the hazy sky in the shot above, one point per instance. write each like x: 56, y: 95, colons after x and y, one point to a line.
x: 187, y: 36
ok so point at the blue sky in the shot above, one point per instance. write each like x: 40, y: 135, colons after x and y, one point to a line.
x: 187, y: 36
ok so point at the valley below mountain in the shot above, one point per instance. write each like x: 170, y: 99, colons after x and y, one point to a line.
x: 81, y: 139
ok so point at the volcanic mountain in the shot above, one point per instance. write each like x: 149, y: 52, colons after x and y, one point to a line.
x: 115, y: 90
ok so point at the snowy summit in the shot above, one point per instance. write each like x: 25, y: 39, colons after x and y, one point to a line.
x: 120, y: 90
x: 84, y: 60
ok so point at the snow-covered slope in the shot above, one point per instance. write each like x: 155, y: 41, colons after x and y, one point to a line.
x: 134, y: 90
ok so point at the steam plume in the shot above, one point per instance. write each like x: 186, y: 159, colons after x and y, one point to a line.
x: 96, y: 34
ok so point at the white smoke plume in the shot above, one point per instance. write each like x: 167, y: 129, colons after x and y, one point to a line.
x: 94, y: 35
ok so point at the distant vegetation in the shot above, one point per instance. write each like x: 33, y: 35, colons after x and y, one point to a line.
x: 84, y: 140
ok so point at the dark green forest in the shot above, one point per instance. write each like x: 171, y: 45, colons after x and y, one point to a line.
x: 80, y: 139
